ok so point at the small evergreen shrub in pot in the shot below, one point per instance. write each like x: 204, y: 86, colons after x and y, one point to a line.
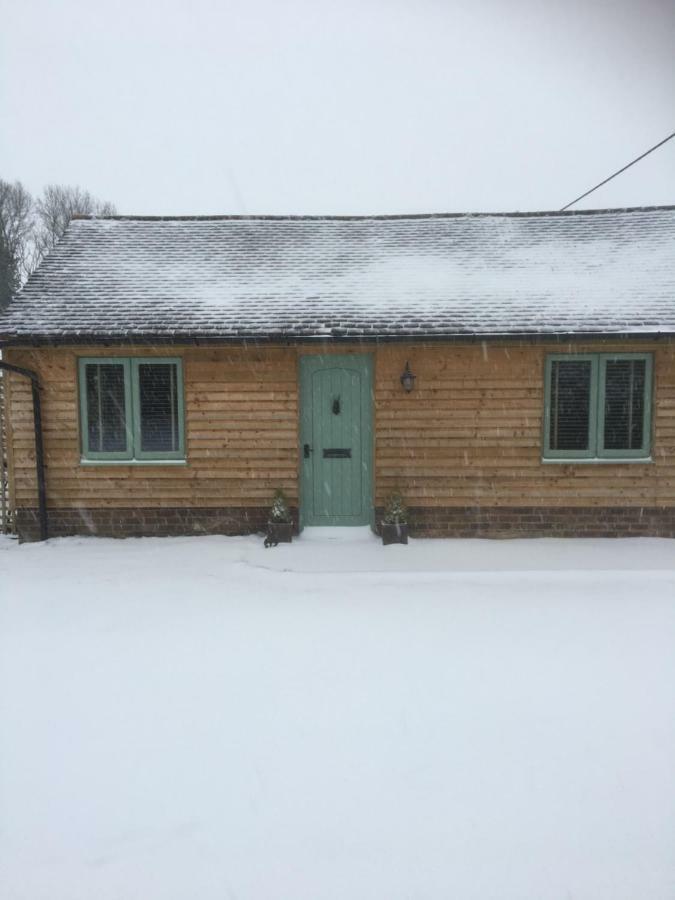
x: 395, y: 521
x: 280, y: 522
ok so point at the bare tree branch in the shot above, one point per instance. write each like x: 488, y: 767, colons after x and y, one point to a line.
x: 17, y: 224
x: 57, y: 206
x: 30, y: 228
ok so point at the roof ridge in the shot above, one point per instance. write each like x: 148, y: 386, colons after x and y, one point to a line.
x: 374, y: 218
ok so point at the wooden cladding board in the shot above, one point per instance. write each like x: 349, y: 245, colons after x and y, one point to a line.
x: 468, y: 435
x: 241, y: 418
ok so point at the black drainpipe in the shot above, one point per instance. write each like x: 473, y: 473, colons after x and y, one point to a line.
x: 39, y: 447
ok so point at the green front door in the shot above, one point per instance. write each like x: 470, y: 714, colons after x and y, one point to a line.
x: 336, y: 439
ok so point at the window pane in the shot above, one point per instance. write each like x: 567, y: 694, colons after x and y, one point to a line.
x: 624, y: 404
x: 158, y: 390
x: 106, y: 408
x: 570, y: 404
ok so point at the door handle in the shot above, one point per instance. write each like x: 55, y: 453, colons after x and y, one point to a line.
x: 306, y: 450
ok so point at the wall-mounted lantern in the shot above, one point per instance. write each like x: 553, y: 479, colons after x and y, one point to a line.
x: 408, y: 379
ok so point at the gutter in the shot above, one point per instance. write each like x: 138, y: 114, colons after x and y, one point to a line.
x: 39, y: 444
x: 335, y: 335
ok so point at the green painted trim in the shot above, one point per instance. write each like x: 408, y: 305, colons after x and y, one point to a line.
x: 308, y: 365
x: 305, y: 436
x: 596, y: 452
x: 644, y: 450
x: 598, y: 461
x: 590, y: 451
x: 133, y: 454
x: 140, y: 454
x: 133, y: 462
x: 87, y: 452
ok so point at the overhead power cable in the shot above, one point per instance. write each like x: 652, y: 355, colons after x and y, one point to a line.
x: 632, y: 163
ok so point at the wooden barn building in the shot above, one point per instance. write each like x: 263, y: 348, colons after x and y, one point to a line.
x: 508, y: 374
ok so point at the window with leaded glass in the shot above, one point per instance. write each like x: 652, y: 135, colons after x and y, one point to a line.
x: 131, y: 409
x: 597, y: 406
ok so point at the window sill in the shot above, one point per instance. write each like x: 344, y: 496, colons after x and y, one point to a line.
x: 597, y: 460
x: 133, y: 462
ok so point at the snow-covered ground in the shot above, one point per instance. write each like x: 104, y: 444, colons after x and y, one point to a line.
x: 335, y: 720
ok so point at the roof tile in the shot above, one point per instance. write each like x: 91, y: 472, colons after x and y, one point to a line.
x: 600, y: 272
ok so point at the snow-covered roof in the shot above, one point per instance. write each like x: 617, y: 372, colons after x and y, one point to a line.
x: 317, y: 278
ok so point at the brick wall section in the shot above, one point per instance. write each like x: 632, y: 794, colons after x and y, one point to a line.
x: 147, y: 522
x: 535, y: 521
x: 494, y: 522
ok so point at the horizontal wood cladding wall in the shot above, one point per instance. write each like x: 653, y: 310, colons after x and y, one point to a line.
x: 241, y: 432
x: 470, y: 434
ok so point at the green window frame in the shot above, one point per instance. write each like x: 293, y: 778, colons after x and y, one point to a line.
x: 132, y: 410
x: 596, y: 450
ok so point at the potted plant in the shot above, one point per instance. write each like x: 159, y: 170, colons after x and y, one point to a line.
x: 395, y: 521
x: 280, y: 522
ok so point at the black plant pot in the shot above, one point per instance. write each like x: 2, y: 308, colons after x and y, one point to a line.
x: 279, y: 533
x: 394, y: 534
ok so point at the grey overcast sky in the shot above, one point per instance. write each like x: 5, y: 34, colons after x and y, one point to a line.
x: 304, y: 106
